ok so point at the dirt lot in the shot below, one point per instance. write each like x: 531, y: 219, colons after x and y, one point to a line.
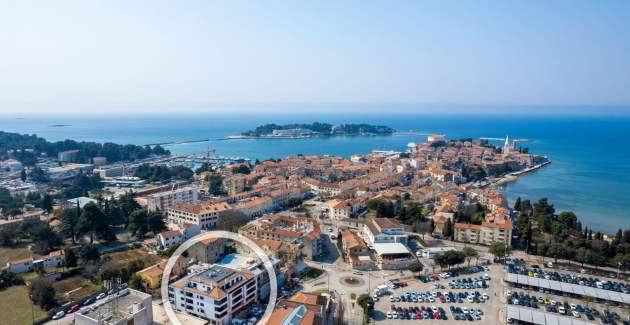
x: 74, y: 288
x: 134, y: 254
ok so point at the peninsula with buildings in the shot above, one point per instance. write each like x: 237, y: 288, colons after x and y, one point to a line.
x: 382, y: 235
x: 298, y: 131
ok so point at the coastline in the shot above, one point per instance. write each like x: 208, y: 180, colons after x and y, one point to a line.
x: 513, y: 177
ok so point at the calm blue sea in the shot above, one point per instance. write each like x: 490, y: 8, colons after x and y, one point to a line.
x: 590, y: 173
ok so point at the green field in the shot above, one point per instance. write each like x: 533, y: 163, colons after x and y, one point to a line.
x: 12, y: 254
x: 16, y: 307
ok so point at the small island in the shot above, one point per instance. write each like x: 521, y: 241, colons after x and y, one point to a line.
x: 299, y: 131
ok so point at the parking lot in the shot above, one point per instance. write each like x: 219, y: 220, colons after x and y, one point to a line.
x: 459, y: 298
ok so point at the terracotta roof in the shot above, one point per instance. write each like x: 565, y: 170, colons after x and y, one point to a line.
x: 22, y: 261
x: 387, y: 223
x: 352, y: 240
x: 170, y: 234
x: 56, y: 253
x: 467, y: 226
x: 201, y: 208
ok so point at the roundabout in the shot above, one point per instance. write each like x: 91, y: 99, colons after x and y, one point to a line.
x: 351, y: 281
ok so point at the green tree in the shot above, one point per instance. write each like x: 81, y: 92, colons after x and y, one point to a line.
x: 46, y: 203
x: 44, y: 237
x: 71, y: 258
x: 500, y: 250
x: 89, y: 253
x: 135, y: 282
x: 141, y: 222
x: 470, y: 253
x: 69, y: 219
x: 447, y: 232
x: 94, y: 223
x: 241, y: 169
x: 7, y: 237
x: 366, y: 302
x: 215, y: 184
x: 42, y: 293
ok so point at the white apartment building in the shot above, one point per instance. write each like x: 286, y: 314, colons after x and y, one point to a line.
x: 205, y: 215
x: 164, y: 200
x: 215, y: 294
x: 384, y: 230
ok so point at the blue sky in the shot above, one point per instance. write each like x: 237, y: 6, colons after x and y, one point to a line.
x: 204, y: 56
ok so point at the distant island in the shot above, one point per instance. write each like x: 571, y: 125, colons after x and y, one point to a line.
x: 59, y: 125
x: 297, y: 131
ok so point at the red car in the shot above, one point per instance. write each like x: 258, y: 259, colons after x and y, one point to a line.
x: 74, y: 308
x: 437, y: 315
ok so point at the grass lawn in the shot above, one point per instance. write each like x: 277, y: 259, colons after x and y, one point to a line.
x: 16, y: 307
x: 134, y: 254
x: 312, y: 273
x: 11, y: 254
x: 70, y: 285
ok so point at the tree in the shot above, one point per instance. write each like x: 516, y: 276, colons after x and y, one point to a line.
x: 38, y: 175
x: 450, y: 258
x: 142, y: 221
x: 46, y: 203
x: 448, y: 229
x: 135, y: 282
x: 71, y: 258
x: 8, y: 279
x: 215, y: 184
x: 69, y: 219
x: 128, y: 204
x: 366, y: 302
x: 416, y: 268
x: 500, y: 250
x: 470, y: 253
x: 23, y: 175
x: 241, y: 169
x: 89, y: 253
x: 44, y: 237
x: 7, y: 237
x: 232, y: 220
x: 42, y: 293
x: 517, y: 204
x: 94, y: 223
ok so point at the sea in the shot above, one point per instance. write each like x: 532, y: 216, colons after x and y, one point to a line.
x: 590, y: 173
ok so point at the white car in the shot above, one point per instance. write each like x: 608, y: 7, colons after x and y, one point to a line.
x: 389, y: 315
x: 101, y: 296
x: 573, y: 306
x: 59, y: 315
x: 576, y: 314
x: 561, y: 310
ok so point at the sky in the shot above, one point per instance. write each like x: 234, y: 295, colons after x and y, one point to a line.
x: 120, y: 56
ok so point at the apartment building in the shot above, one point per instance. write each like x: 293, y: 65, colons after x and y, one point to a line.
x: 204, y: 214
x: 163, y: 200
x: 216, y: 294
x: 486, y: 234
x: 301, y: 231
x: 384, y: 230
